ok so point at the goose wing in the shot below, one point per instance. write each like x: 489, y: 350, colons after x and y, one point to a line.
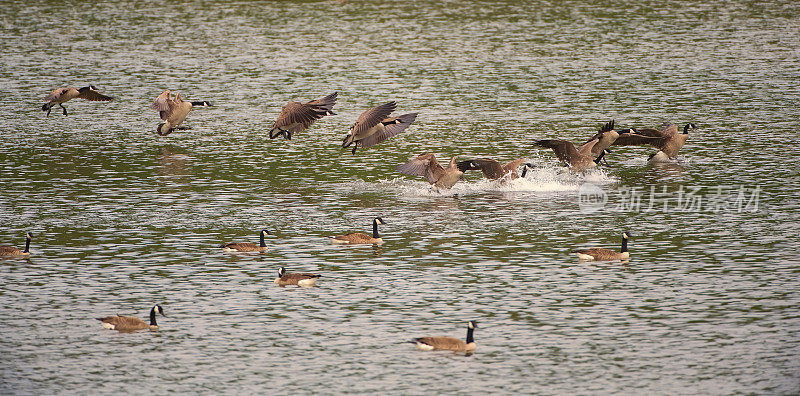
x: 324, y: 103
x: 423, y: 165
x: 391, y: 127
x: 491, y: 169
x: 565, y: 151
x: 92, y: 95
x: 513, y: 165
x: 297, y: 113
x: 636, y: 139
x: 370, y: 118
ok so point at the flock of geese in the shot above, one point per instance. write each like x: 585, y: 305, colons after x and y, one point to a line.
x: 372, y: 127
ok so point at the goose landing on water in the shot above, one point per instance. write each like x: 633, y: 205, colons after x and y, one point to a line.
x: 448, y: 343
x: 493, y: 169
x: 360, y: 237
x: 576, y: 160
x: 667, y: 140
x: 374, y: 126
x: 426, y: 165
x: 127, y: 323
x: 285, y: 278
x: 59, y: 96
x: 247, y: 246
x: 603, y: 254
x: 297, y: 117
x: 11, y: 251
x: 173, y: 111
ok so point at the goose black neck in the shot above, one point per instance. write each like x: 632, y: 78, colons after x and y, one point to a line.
x: 261, y: 240
x: 600, y: 157
x: 686, y: 128
x: 153, y: 317
x: 27, y: 245
x: 524, y: 171
x: 470, y: 339
x: 198, y: 103
x: 624, y: 245
x: 375, y: 229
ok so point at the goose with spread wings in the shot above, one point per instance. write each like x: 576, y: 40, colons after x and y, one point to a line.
x: 297, y: 117
x: 59, y: 96
x: 427, y: 166
x: 667, y: 139
x: 375, y: 126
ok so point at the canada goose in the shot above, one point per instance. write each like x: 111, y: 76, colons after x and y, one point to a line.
x: 12, y: 251
x: 667, y: 140
x: 492, y: 169
x: 427, y: 165
x: 605, y: 137
x: 127, y: 323
x: 577, y: 160
x: 61, y: 95
x: 284, y: 279
x: 360, y: 237
x: 247, y: 246
x: 374, y: 126
x: 297, y: 117
x: 603, y: 254
x: 448, y: 343
x: 173, y: 111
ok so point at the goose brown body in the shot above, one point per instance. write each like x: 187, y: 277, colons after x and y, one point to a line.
x: 128, y: 323
x: 603, y: 254
x: 10, y: 251
x: 360, y: 237
x: 247, y: 246
x: 299, y: 279
x: 448, y: 343
x: 576, y: 160
x: 605, y: 137
x: 296, y: 116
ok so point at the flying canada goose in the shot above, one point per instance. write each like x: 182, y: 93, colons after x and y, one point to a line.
x: 173, y: 111
x: 374, y: 126
x: 285, y: 279
x: 247, y: 246
x: 605, y: 137
x: 127, y: 323
x: 448, y: 343
x: 667, y: 140
x: 603, y: 254
x: 492, y: 169
x: 61, y: 95
x: 426, y: 165
x: 577, y: 160
x: 12, y: 251
x: 360, y: 237
x: 297, y: 117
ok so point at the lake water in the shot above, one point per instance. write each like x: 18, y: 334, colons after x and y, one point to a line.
x: 707, y: 305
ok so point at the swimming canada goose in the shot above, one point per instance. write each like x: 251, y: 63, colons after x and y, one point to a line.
x: 426, y: 165
x: 374, y: 126
x: 448, y: 343
x: 285, y: 279
x: 297, y: 117
x: 605, y: 137
x: 492, y: 169
x: 173, y: 111
x: 127, y: 323
x: 61, y: 95
x: 360, y: 237
x: 576, y: 160
x: 603, y: 254
x: 247, y: 246
x: 12, y: 251
x: 667, y: 140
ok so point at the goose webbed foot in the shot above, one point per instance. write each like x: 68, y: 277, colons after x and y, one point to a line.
x: 62, y: 106
x: 183, y: 128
